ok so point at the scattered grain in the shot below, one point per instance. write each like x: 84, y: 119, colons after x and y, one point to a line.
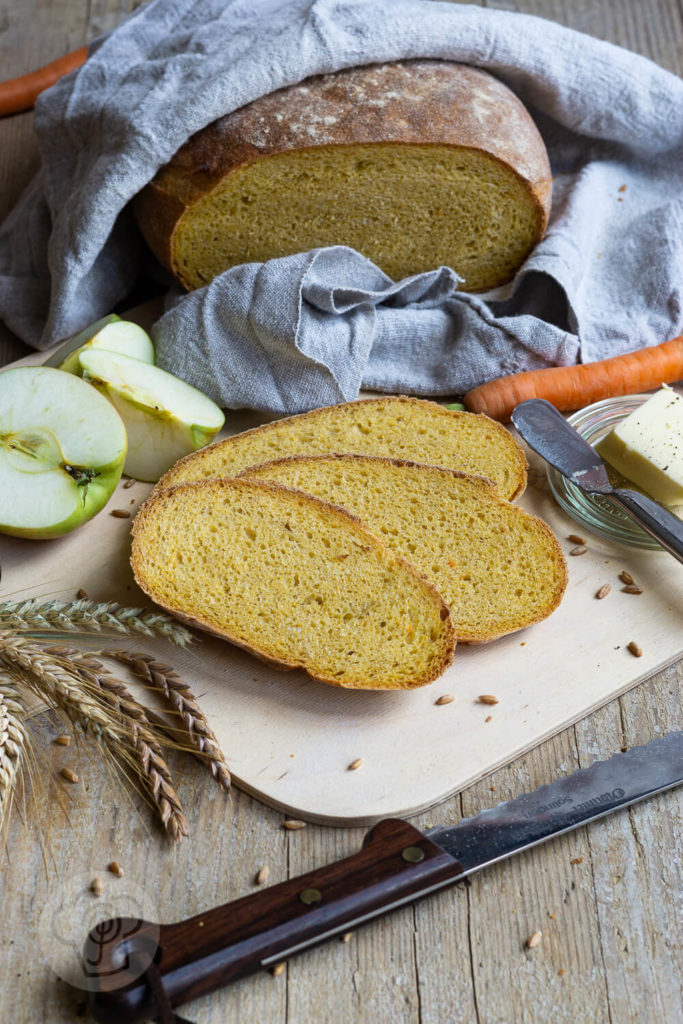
x: 534, y: 940
x: 355, y: 764
x: 576, y: 860
x: 293, y: 824
x: 626, y: 577
x: 635, y: 649
x: 445, y: 698
x: 346, y: 937
x: 97, y: 887
x: 120, y: 513
x: 116, y: 869
x: 69, y: 775
x: 277, y: 969
x: 129, y: 483
x: 632, y: 588
x: 581, y: 549
x: 63, y: 740
x: 561, y: 971
x: 262, y: 875
x: 575, y: 538
x: 489, y: 718
x: 487, y: 698
x: 603, y: 591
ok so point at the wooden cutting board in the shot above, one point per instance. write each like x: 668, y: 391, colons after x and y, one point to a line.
x: 289, y: 740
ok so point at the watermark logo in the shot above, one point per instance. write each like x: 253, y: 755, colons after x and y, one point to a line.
x: 115, y: 919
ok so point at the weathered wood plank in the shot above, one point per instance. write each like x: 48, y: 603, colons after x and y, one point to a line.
x: 459, y: 956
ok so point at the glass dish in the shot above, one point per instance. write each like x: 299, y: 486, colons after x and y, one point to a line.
x: 596, y: 512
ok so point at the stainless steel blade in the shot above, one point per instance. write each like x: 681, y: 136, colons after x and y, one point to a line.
x: 565, y: 804
x: 546, y: 431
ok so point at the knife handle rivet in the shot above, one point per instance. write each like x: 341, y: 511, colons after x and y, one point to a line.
x: 413, y: 854
x: 309, y: 896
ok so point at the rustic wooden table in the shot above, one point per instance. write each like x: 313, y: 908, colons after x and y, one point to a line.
x: 606, y: 898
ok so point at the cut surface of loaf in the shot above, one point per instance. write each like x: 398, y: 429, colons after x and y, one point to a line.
x: 295, y: 580
x: 416, y: 164
x: 498, y: 568
x: 397, y: 427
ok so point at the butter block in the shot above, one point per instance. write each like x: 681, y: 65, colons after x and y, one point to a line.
x: 647, y: 447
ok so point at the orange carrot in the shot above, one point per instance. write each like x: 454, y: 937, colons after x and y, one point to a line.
x: 573, y: 387
x: 19, y: 94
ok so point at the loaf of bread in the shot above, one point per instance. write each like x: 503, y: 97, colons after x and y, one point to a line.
x: 415, y: 164
x: 498, y: 568
x: 295, y: 580
x: 398, y: 427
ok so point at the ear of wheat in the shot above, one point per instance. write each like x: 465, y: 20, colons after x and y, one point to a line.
x: 13, y: 741
x: 79, y: 685
x: 90, y: 617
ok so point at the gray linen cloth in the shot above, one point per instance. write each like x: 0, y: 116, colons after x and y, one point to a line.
x: 313, y: 328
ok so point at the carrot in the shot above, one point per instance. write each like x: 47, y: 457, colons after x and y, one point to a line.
x: 19, y: 94
x: 572, y: 387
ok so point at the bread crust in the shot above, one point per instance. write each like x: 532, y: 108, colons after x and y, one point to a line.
x: 416, y: 103
x: 559, y: 559
x: 330, y: 510
x: 167, y: 480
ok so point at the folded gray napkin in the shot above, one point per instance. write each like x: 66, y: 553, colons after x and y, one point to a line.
x: 314, y: 328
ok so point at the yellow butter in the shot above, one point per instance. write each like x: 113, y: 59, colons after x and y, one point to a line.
x: 647, y: 447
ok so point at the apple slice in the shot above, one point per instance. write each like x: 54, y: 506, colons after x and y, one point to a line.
x: 164, y: 417
x: 114, y: 335
x: 62, y: 450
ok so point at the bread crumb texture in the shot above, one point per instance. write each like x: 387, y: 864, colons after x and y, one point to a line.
x: 498, y: 568
x: 396, y: 427
x: 415, y: 164
x: 437, y: 206
x: 294, y: 580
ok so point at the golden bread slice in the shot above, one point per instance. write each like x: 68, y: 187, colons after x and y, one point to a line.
x: 498, y: 568
x: 397, y: 427
x: 293, y: 579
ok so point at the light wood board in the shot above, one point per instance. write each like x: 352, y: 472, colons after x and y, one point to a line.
x: 289, y: 740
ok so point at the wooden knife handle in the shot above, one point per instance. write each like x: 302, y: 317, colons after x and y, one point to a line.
x: 397, y: 864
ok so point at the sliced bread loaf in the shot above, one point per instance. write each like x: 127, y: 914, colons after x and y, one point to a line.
x: 293, y: 579
x: 498, y: 568
x: 416, y: 164
x: 398, y: 427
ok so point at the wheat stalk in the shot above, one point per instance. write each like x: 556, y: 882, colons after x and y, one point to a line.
x: 148, y: 758
x: 91, y: 617
x: 182, y: 700
x: 13, y: 741
x: 45, y: 676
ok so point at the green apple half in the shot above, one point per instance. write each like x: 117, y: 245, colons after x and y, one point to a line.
x: 62, y: 450
x: 165, y: 418
x: 114, y: 335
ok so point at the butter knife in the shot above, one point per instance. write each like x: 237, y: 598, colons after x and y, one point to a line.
x: 547, y: 431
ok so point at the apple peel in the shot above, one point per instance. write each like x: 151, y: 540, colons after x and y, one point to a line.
x: 62, y: 451
x: 165, y: 418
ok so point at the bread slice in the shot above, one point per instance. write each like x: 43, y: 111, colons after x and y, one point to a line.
x: 399, y: 427
x: 293, y: 579
x: 498, y: 568
x: 416, y: 164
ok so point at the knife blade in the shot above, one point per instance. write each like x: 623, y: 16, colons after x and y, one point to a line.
x: 547, y: 431
x: 138, y: 969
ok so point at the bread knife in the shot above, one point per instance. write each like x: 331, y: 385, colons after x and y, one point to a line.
x: 137, y: 969
x: 547, y: 431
